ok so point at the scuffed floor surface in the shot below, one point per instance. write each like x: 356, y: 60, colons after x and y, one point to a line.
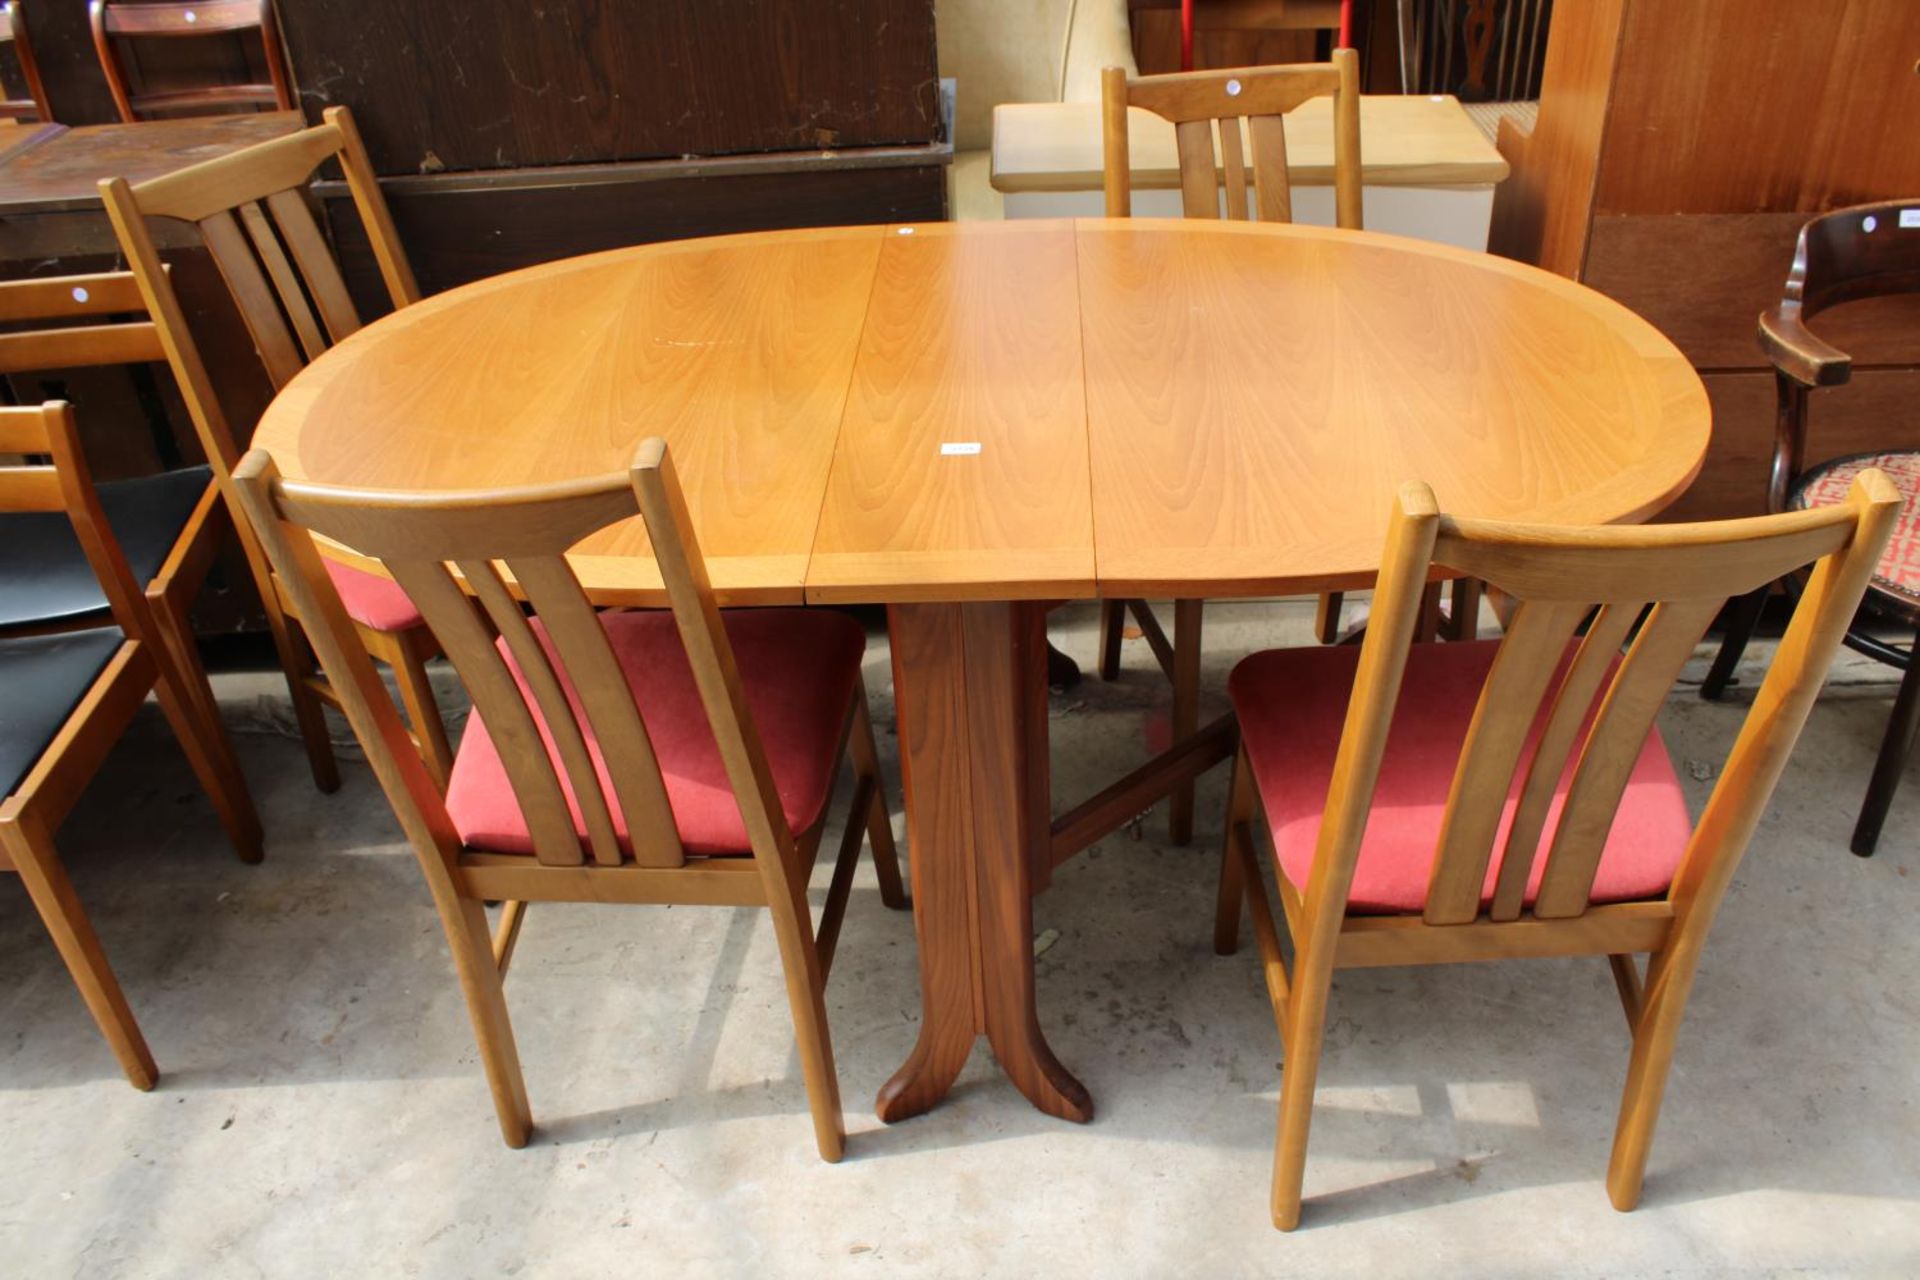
x: 322, y: 1111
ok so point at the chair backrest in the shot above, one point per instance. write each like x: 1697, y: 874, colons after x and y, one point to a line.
x: 116, y: 22
x: 431, y: 544
x: 65, y: 484
x: 254, y: 216
x: 1198, y: 101
x: 1684, y: 574
x: 13, y: 31
x: 1865, y: 251
x: 83, y: 321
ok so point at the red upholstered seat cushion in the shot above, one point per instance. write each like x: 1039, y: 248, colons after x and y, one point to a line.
x: 1292, y: 704
x: 799, y: 667
x: 372, y: 600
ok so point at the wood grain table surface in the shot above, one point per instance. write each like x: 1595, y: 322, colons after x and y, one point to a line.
x: 964, y: 421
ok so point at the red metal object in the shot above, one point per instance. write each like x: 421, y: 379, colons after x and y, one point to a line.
x: 1186, y: 31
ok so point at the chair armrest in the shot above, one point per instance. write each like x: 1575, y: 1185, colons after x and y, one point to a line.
x: 1797, y: 352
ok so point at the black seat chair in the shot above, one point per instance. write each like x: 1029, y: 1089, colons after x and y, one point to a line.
x: 169, y: 526
x: 67, y: 696
x: 1861, y: 252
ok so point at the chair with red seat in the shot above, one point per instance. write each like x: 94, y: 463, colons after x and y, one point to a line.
x: 1435, y: 804
x: 252, y: 210
x: 677, y: 757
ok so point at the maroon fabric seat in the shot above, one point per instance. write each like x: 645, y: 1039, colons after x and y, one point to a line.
x: 372, y: 600
x: 799, y: 667
x: 1292, y: 704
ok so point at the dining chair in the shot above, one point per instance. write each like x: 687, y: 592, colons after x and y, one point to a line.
x: 1201, y: 103
x: 67, y: 696
x: 170, y: 526
x: 13, y: 31
x: 679, y: 756
x: 1861, y: 252
x: 117, y: 23
x: 1388, y: 775
x: 251, y: 209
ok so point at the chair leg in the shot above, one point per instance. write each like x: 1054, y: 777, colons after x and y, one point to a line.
x: 30, y: 848
x: 1226, y: 912
x: 465, y: 922
x: 1187, y: 616
x: 1663, y: 1003
x: 506, y: 934
x: 1113, y: 623
x: 297, y: 661
x: 1300, y: 1069
x: 187, y: 700
x: 807, y: 1001
x: 1895, y: 747
x: 406, y: 653
x: 1741, y: 621
x: 1326, y: 616
x: 866, y: 764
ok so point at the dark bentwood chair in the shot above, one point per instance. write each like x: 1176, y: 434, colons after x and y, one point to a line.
x: 1862, y: 252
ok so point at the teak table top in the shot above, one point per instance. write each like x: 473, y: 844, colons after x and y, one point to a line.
x: 1018, y: 411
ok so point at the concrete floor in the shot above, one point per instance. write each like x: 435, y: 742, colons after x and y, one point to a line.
x: 322, y: 1111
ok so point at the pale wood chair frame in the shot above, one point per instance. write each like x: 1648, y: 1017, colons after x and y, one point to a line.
x: 442, y: 545
x: 113, y: 21
x: 1686, y: 573
x: 33, y: 812
x: 13, y: 30
x: 252, y: 212
x: 108, y: 301
x: 1202, y: 104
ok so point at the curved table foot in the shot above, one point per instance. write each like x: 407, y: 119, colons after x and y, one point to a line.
x: 970, y: 690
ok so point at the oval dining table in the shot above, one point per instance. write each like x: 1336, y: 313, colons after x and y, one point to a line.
x: 965, y: 422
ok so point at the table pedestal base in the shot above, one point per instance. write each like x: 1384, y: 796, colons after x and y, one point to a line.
x: 970, y: 686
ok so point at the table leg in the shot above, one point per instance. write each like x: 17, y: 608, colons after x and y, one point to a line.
x: 970, y: 693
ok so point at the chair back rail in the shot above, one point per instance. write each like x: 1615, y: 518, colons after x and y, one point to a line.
x: 506, y: 548
x: 253, y: 214
x: 109, y: 297
x: 1655, y: 589
x: 1201, y: 103
x: 13, y: 31
x: 115, y: 22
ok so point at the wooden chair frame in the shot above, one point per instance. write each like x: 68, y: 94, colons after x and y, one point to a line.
x: 13, y: 30
x: 251, y: 210
x: 1201, y: 104
x: 113, y: 21
x: 33, y: 812
x: 119, y: 333
x: 1685, y: 573
x: 1836, y: 259
x: 441, y: 546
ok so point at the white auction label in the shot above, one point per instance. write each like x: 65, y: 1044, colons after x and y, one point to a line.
x: 1910, y: 217
x: 959, y: 448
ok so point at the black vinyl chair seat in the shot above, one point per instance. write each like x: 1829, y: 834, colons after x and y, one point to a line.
x: 42, y: 679
x: 45, y: 579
